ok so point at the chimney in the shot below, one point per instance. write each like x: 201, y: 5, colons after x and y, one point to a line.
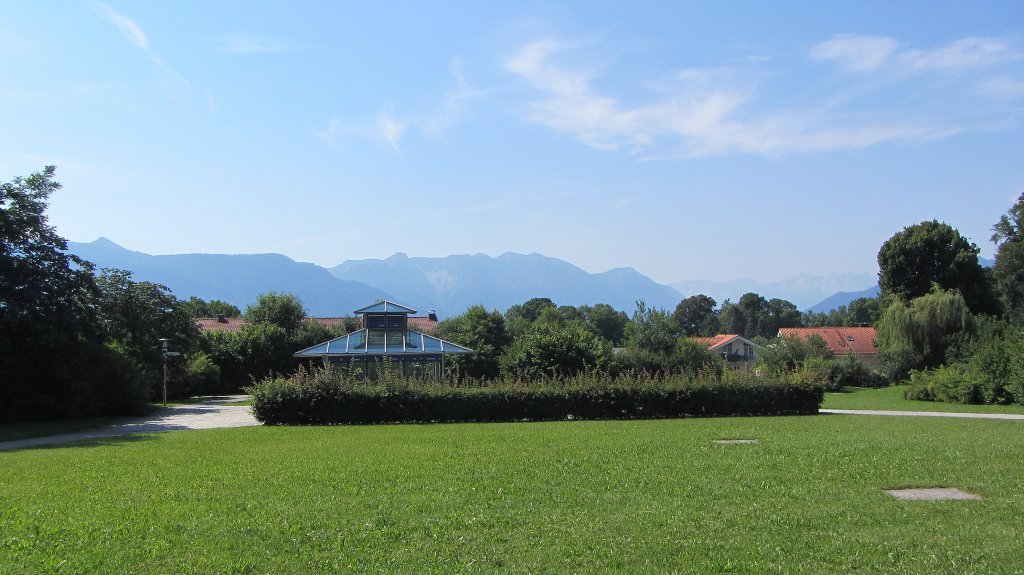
x: 432, y: 315
x: 221, y: 318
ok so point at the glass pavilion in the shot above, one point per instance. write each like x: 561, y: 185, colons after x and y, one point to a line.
x: 386, y: 334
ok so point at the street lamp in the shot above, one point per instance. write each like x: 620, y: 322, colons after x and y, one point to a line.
x: 165, y: 352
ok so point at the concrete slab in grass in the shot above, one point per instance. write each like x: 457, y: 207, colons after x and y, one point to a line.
x: 735, y: 441
x: 931, y: 494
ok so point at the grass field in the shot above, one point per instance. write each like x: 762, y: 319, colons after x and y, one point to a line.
x: 13, y: 431
x: 891, y: 399
x: 569, y: 497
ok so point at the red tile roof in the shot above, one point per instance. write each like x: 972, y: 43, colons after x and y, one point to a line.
x: 421, y: 324
x: 217, y: 324
x: 840, y: 340
x: 716, y: 341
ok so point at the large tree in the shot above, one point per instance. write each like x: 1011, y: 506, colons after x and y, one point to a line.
x: 53, y: 362
x: 934, y: 252
x: 1009, y: 269
x: 696, y: 315
x: 482, y: 331
x: 281, y: 309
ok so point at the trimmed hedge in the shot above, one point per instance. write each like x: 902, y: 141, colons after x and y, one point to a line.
x: 327, y: 397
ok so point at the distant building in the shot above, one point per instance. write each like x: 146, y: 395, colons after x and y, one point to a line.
x: 425, y: 324
x: 734, y: 348
x: 386, y: 333
x: 859, y: 341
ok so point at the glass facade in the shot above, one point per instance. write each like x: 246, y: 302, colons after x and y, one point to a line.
x: 385, y: 336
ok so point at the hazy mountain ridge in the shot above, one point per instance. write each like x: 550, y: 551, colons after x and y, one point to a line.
x: 451, y: 284
x: 238, y: 279
x: 447, y: 284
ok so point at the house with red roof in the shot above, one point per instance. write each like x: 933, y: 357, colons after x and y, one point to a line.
x: 734, y: 348
x: 424, y: 324
x: 841, y: 341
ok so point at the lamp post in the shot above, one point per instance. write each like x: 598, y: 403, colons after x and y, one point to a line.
x: 165, y: 352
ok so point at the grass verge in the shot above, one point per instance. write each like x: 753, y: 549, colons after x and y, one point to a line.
x: 891, y: 399
x: 559, y: 497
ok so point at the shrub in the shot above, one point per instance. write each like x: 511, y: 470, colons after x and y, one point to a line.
x: 850, y: 371
x: 947, y: 383
x: 328, y: 396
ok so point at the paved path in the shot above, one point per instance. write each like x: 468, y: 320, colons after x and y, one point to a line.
x: 209, y: 414
x: 924, y: 414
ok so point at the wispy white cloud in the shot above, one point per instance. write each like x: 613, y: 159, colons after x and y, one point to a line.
x: 709, y: 111
x: 853, y: 52
x: 128, y: 28
x: 134, y: 34
x: 254, y: 44
x: 391, y: 127
x: 966, y: 53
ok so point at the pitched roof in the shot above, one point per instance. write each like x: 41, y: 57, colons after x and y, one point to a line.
x: 840, y: 340
x: 715, y: 341
x: 419, y: 323
x: 361, y: 344
x: 721, y: 339
x: 219, y: 324
x: 386, y: 307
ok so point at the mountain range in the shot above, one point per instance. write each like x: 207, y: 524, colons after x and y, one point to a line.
x: 448, y: 284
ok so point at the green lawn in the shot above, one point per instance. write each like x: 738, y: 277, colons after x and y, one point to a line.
x: 568, y: 497
x: 891, y: 399
x: 12, y: 431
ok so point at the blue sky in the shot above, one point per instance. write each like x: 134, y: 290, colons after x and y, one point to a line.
x: 703, y: 140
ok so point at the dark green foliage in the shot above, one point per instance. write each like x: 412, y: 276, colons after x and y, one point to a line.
x: 281, y: 309
x: 548, y: 350
x: 605, y: 321
x: 53, y: 361
x: 1008, y: 235
x: 754, y: 316
x: 327, y: 396
x: 696, y: 316
x: 850, y: 371
x: 991, y: 372
x: 482, y: 331
x: 861, y: 311
x: 932, y: 252
x: 135, y: 316
x: 198, y: 307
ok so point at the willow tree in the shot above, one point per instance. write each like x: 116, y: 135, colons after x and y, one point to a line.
x: 918, y: 334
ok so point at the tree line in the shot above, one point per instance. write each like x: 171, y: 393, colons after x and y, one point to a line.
x: 80, y: 342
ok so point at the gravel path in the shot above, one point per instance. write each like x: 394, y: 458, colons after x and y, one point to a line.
x: 924, y: 414
x: 209, y: 414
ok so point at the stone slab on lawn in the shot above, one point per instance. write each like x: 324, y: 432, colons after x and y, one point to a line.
x: 735, y: 441
x: 931, y: 494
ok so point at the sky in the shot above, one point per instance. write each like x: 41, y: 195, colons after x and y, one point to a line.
x: 688, y: 140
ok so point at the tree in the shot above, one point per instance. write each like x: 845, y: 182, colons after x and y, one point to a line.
x: 136, y: 315
x: 696, y: 316
x: 555, y: 351
x: 53, y: 362
x: 1008, y: 235
x: 198, y: 307
x: 482, y: 331
x: 607, y: 322
x: 281, y: 309
x: 651, y: 330
x: 917, y: 335
x: 934, y: 253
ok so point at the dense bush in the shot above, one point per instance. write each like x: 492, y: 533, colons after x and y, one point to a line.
x: 850, y: 371
x: 328, y: 396
x: 992, y: 372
